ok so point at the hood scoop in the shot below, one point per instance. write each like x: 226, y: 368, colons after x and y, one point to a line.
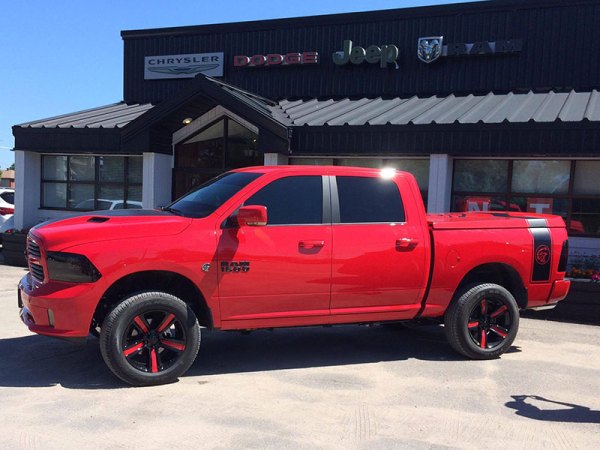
x: 98, y: 219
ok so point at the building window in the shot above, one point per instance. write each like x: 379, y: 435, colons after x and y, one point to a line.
x: 570, y: 189
x: 88, y: 183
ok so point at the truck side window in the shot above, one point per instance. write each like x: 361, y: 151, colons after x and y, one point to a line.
x: 369, y: 200
x: 292, y: 200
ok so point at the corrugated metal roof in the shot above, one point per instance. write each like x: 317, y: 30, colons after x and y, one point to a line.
x: 491, y: 108
x: 116, y: 115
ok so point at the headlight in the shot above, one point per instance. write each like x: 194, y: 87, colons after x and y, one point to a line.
x: 71, y: 267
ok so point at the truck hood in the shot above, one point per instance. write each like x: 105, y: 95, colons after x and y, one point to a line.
x: 99, y: 226
x: 492, y: 220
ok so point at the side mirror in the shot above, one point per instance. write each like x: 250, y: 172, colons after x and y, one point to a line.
x: 252, y: 216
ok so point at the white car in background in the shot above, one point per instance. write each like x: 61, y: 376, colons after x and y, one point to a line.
x: 8, y: 221
x: 7, y: 209
x: 88, y: 205
x: 8, y: 224
x: 7, y: 204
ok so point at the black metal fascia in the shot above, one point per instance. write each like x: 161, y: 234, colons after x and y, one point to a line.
x: 68, y: 140
x: 203, y: 87
x: 530, y: 139
x: 350, y: 17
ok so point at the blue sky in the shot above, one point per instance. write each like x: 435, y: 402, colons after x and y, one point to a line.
x: 63, y: 56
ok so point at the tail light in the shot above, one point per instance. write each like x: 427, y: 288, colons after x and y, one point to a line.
x: 5, y: 211
x: 564, y: 256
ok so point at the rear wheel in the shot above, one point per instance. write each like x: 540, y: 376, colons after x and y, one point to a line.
x: 150, y: 338
x: 483, y: 322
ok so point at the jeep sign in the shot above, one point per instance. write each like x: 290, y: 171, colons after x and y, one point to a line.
x: 373, y: 54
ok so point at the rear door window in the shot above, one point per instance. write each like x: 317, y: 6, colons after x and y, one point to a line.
x: 369, y: 200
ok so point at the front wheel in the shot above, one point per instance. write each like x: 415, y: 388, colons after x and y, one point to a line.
x: 483, y: 322
x: 150, y: 338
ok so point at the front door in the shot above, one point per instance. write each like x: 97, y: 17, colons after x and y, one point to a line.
x: 282, y: 269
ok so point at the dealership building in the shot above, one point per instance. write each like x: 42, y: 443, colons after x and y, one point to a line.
x: 492, y: 105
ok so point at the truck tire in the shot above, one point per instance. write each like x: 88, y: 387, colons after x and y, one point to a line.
x: 150, y: 338
x: 482, y: 322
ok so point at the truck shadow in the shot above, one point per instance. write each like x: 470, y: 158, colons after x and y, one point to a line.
x: 37, y: 361
x: 295, y: 348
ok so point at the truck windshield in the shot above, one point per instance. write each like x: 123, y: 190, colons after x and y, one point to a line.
x: 205, y: 199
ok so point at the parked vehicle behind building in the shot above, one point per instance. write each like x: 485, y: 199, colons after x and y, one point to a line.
x: 7, y: 203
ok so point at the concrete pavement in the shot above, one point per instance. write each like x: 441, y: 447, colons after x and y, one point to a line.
x: 341, y: 387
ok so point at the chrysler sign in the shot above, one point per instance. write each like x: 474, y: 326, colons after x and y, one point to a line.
x: 183, y: 66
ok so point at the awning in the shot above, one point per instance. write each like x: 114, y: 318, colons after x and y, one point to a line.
x: 486, y: 109
x: 133, y: 129
x: 115, y: 115
x: 549, y: 123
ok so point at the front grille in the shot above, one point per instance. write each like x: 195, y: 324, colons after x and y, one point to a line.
x: 37, y: 272
x: 33, y: 249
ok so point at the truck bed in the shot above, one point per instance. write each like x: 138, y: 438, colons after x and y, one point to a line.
x: 492, y: 220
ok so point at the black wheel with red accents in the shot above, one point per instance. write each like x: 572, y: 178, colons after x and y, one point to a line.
x: 482, y: 322
x: 150, y: 338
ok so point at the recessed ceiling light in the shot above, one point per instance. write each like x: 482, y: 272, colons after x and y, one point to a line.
x: 187, y: 120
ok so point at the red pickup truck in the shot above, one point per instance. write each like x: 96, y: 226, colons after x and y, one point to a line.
x: 265, y: 247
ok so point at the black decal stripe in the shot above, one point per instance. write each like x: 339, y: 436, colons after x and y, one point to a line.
x: 95, y: 215
x: 542, y: 253
x: 537, y: 223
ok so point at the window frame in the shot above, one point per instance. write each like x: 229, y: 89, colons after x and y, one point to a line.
x: 507, y: 194
x: 95, y: 183
x: 335, y: 202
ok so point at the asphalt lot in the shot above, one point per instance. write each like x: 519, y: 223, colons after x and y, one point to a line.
x: 341, y: 387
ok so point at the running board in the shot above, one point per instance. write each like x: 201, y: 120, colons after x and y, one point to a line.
x: 543, y: 308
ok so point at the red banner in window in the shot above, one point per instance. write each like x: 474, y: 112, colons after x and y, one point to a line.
x: 475, y: 204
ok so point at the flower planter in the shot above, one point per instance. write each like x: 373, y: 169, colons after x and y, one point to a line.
x: 13, y: 249
x: 584, y: 285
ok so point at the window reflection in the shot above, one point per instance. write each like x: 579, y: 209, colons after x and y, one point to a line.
x: 534, y: 186
x: 541, y: 177
x: 86, y: 183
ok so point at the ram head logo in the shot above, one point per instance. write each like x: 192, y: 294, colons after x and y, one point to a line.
x: 430, y: 48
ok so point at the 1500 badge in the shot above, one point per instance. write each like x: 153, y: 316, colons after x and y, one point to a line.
x: 235, y: 266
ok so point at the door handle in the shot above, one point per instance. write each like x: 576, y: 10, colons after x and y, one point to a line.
x: 311, y: 244
x: 406, y: 243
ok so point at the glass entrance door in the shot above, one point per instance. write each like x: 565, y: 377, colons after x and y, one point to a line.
x: 221, y: 146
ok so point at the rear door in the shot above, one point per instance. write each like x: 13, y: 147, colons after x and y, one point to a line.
x: 379, y: 255
x: 282, y: 269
